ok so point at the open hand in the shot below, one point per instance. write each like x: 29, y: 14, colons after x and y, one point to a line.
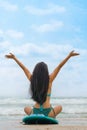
x: 10, y: 56
x: 72, y: 53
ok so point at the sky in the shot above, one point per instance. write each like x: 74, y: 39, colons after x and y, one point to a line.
x: 43, y: 30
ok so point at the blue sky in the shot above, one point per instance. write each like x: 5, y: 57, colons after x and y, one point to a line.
x: 43, y: 30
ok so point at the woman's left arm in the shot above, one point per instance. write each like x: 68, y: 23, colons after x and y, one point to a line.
x: 62, y: 63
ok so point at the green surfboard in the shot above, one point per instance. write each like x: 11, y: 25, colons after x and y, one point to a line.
x: 39, y: 119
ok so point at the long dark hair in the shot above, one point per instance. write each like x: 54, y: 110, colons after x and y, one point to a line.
x: 39, y: 83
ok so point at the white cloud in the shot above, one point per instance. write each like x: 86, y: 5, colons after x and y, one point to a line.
x: 24, y: 49
x: 11, y: 75
x: 14, y: 34
x: 57, y: 50
x: 1, y: 33
x: 5, y: 44
x: 8, y: 6
x: 48, y: 27
x: 53, y: 48
x: 32, y: 48
x: 51, y: 9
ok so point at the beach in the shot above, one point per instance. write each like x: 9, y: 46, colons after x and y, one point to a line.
x: 72, y: 117
x: 68, y: 124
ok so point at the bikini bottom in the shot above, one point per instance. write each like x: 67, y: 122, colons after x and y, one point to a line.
x: 44, y: 111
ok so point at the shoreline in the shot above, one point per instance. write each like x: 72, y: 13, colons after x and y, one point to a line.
x: 63, y: 121
x: 64, y: 124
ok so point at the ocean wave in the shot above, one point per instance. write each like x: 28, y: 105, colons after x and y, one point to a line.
x: 15, y: 106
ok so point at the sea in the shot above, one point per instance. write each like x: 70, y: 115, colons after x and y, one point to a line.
x: 73, y: 107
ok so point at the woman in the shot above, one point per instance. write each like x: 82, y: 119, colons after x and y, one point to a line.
x: 40, y: 85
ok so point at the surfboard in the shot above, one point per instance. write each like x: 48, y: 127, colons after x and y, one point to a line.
x: 39, y: 119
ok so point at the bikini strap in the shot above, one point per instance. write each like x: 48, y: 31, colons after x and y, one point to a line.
x: 41, y: 107
x: 49, y: 94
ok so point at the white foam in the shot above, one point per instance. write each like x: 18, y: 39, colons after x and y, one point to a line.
x: 15, y: 106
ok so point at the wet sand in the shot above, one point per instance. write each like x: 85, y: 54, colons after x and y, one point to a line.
x: 64, y: 124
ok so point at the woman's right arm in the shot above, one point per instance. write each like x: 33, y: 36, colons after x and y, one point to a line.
x: 26, y: 71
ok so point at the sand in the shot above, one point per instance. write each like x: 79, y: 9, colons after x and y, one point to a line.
x: 64, y: 124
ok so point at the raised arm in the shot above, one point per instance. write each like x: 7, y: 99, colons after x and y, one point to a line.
x: 57, y: 69
x: 26, y: 71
